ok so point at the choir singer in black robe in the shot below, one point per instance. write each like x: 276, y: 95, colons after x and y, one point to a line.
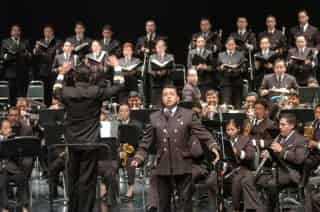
x: 83, y: 104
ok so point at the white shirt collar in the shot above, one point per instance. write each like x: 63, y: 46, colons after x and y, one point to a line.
x: 173, y: 110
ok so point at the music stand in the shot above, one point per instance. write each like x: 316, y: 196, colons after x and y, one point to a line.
x: 308, y: 94
x: 51, y: 117
x: 20, y: 147
x: 302, y: 115
x: 130, y: 134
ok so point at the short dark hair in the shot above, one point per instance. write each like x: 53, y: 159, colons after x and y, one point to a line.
x: 317, y: 106
x: 49, y: 26
x: 280, y: 60
x: 170, y: 86
x: 290, y: 118
x: 82, y: 74
x: 262, y: 102
x: 107, y: 27
x: 303, y: 11
x: 80, y: 23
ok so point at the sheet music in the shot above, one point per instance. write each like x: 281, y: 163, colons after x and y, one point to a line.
x: 105, y: 130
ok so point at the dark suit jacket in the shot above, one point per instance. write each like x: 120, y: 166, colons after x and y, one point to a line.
x: 248, y: 37
x: 131, y: 76
x: 44, y: 57
x: 205, y: 76
x: 174, y: 131
x: 213, y: 41
x: 75, y: 42
x: 159, y: 81
x: 83, y: 105
x: 294, y: 154
x: 262, y: 69
x: 244, y: 144
x: 270, y: 81
x: 302, y: 72
x: 231, y: 77
x: 262, y: 130
x: 143, y: 42
x: 311, y: 34
x: 112, y: 47
x: 278, y: 41
x: 191, y: 93
x: 16, y: 58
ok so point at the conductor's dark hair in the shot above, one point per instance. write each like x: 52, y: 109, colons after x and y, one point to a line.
x: 290, y: 118
x: 82, y: 74
x: 262, y: 102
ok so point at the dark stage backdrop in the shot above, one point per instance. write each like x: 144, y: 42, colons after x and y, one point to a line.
x: 176, y: 19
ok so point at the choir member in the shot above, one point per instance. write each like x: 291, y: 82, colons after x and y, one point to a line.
x: 67, y: 60
x: 213, y: 38
x: 245, y: 39
x: 263, y: 61
x: 146, y: 43
x: 108, y: 43
x: 130, y: 67
x: 160, y: 65
x: 135, y: 101
x: 279, y: 82
x: 310, y: 32
x: 278, y: 41
x: 97, y: 62
x: 231, y: 66
x: 16, y: 55
x: 45, y: 51
x: 302, y: 61
x: 201, y: 59
x: 80, y: 41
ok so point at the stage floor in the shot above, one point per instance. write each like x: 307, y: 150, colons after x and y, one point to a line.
x: 40, y: 201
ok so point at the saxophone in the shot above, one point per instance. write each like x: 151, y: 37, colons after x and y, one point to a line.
x: 125, y: 150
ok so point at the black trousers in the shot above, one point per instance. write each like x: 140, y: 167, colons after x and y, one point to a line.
x: 22, y: 194
x: 183, y: 184
x: 82, y: 177
x: 48, y: 82
x: 17, y: 88
x: 232, y: 95
x: 108, y: 170
x: 267, y: 181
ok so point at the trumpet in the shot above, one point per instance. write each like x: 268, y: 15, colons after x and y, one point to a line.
x: 247, y: 128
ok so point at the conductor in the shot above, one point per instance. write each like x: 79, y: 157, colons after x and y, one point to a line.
x: 82, y: 105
